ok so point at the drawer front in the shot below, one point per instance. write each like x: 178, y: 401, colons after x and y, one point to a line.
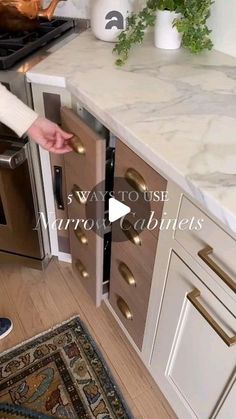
x: 134, y: 278
x: 132, y: 318
x: 85, y: 168
x: 195, y: 348
x: 133, y: 263
x: 133, y: 252
x: 140, y: 177
x: 211, y: 246
x: 142, y: 252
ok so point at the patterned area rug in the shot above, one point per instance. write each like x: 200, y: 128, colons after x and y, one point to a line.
x: 62, y: 374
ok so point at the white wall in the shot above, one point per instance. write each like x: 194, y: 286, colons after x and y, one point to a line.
x: 223, y: 24
x: 72, y: 8
x: 81, y: 8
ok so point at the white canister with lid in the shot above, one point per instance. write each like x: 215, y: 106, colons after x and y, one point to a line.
x: 109, y: 18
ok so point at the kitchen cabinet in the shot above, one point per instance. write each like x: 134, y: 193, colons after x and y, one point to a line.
x: 133, y: 255
x: 205, y: 245
x: 171, y: 291
x: 194, y: 356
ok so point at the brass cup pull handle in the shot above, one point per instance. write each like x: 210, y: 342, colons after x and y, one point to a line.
x: 136, y: 180
x: 124, y: 308
x: 204, y: 254
x: 77, y: 145
x: 131, y: 233
x: 192, y: 297
x: 81, y: 237
x: 78, y: 195
x: 81, y: 268
x: 126, y: 274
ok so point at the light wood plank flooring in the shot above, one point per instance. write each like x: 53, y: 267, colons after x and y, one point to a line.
x: 38, y: 300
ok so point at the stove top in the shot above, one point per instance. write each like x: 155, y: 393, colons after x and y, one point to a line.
x: 15, y: 46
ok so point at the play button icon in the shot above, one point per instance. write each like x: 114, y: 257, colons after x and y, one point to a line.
x: 117, y: 210
x: 110, y: 206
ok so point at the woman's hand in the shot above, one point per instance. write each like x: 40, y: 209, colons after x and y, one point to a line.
x: 49, y: 136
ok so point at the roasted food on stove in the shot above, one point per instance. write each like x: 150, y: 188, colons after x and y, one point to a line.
x: 17, y: 15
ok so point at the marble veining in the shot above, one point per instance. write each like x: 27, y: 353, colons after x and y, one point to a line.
x: 176, y: 110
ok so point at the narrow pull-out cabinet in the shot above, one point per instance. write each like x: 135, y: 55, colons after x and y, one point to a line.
x: 85, y: 168
x: 133, y: 254
x: 194, y: 356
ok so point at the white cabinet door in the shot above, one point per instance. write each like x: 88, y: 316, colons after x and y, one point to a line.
x: 228, y: 409
x: 191, y: 360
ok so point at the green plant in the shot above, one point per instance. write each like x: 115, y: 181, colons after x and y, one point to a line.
x: 192, y: 24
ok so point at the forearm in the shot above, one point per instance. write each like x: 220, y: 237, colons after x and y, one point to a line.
x: 14, y: 113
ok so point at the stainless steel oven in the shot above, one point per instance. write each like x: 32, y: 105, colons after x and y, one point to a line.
x: 20, y: 240
x: 21, y: 188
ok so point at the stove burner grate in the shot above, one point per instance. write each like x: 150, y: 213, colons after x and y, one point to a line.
x: 15, y: 46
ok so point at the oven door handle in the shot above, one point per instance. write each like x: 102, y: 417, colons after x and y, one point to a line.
x: 11, y: 159
x: 58, y: 193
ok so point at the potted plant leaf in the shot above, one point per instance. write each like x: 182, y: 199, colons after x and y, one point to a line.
x: 175, y: 21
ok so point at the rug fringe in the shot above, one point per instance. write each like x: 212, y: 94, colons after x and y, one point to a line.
x: 76, y: 316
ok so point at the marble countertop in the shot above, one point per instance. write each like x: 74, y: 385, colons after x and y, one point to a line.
x: 177, y: 111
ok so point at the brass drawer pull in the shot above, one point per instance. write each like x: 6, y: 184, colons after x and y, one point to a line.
x: 77, y: 145
x: 124, y: 308
x: 126, y: 274
x: 192, y: 297
x: 131, y: 233
x: 78, y: 195
x: 204, y: 254
x: 136, y: 180
x: 79, y: 234
x: 81, y: 268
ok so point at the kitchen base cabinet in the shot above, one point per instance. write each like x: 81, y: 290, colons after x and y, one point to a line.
x: 194, y: 356
x: 176, y: 319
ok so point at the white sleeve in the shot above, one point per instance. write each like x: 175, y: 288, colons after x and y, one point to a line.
x: 14, y: 113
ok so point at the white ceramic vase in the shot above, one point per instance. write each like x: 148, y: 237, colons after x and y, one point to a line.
x: 166, y: 36
x: 108, y: 18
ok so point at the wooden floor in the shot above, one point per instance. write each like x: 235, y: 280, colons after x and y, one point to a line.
x: 38, y: 300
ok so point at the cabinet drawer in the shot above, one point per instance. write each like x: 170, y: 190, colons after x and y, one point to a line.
x: 133, y: 319
x: 144, y: 252
x: 195, y: 348
x: 213, y: 248
x: 134, y: 278
x: 139, y: 176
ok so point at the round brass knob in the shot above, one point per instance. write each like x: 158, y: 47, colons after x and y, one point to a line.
x: 77, y: 145
x: 126, y: 274
x: 81, y: 268
x: 136, y: 180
